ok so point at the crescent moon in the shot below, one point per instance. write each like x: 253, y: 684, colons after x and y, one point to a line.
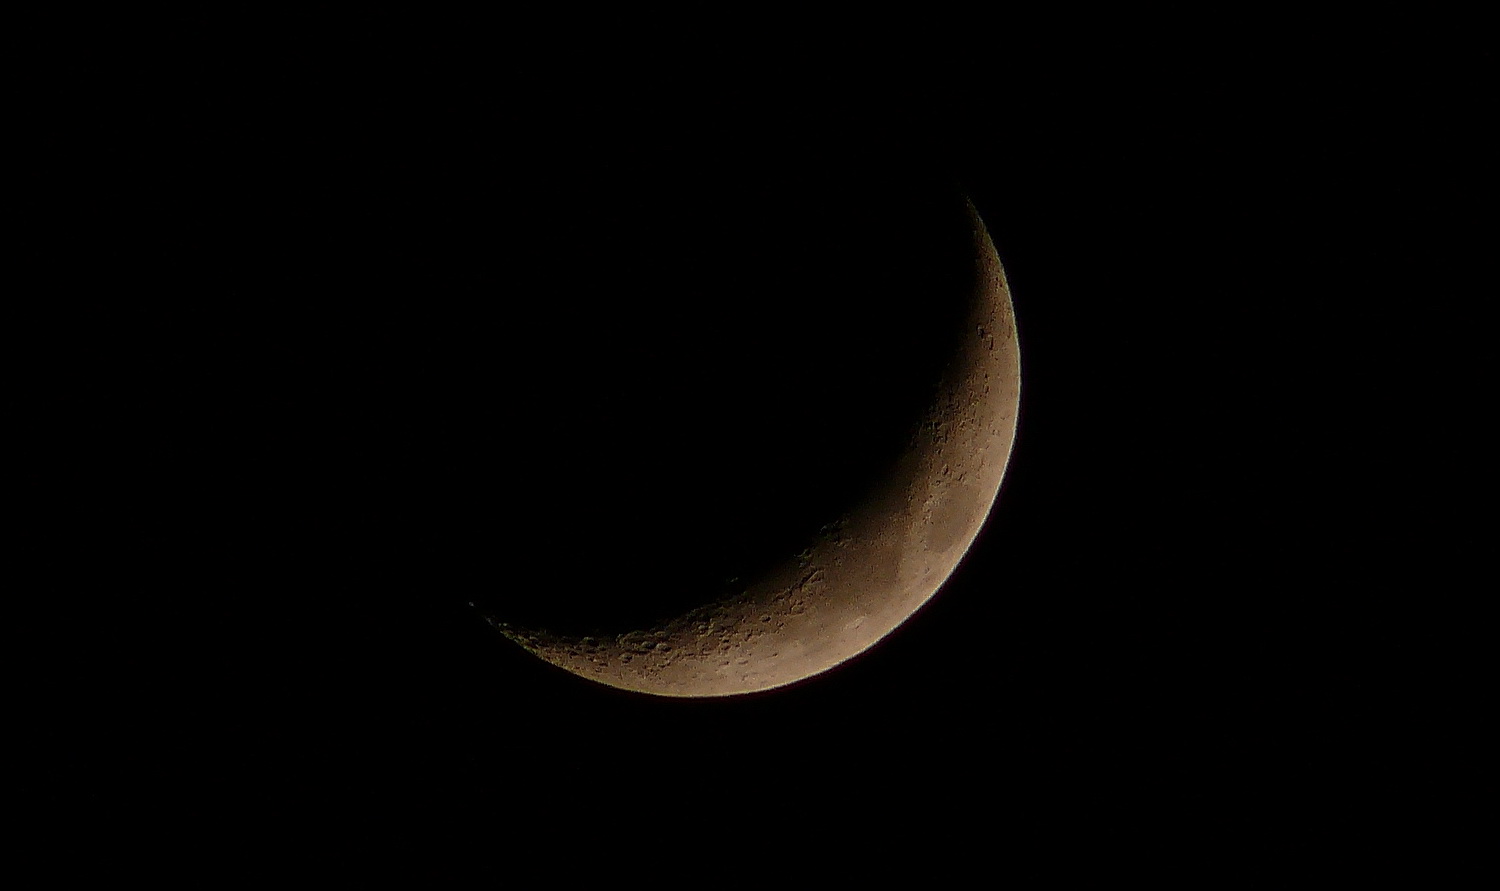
x: 868, y: 571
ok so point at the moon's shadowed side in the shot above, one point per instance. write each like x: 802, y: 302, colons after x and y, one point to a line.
x: 724, y: 372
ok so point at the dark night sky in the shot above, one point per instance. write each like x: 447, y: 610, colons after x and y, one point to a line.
x: 305, y: 380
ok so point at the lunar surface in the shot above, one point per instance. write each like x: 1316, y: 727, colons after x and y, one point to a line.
x: 869, y: 569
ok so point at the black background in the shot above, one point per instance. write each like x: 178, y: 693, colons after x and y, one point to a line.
x: 300, y: 378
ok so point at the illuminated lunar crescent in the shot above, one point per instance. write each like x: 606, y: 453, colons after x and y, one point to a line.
x: 867, y: 572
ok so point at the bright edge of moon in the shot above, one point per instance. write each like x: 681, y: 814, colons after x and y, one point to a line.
x: 870, y: 569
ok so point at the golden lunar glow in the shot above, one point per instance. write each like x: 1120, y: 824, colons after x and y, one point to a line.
x: 867, y: 572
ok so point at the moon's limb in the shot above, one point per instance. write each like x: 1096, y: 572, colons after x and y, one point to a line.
x: 867, y: 572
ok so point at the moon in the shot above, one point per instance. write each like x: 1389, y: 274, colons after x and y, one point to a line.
x: 869, y: 569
